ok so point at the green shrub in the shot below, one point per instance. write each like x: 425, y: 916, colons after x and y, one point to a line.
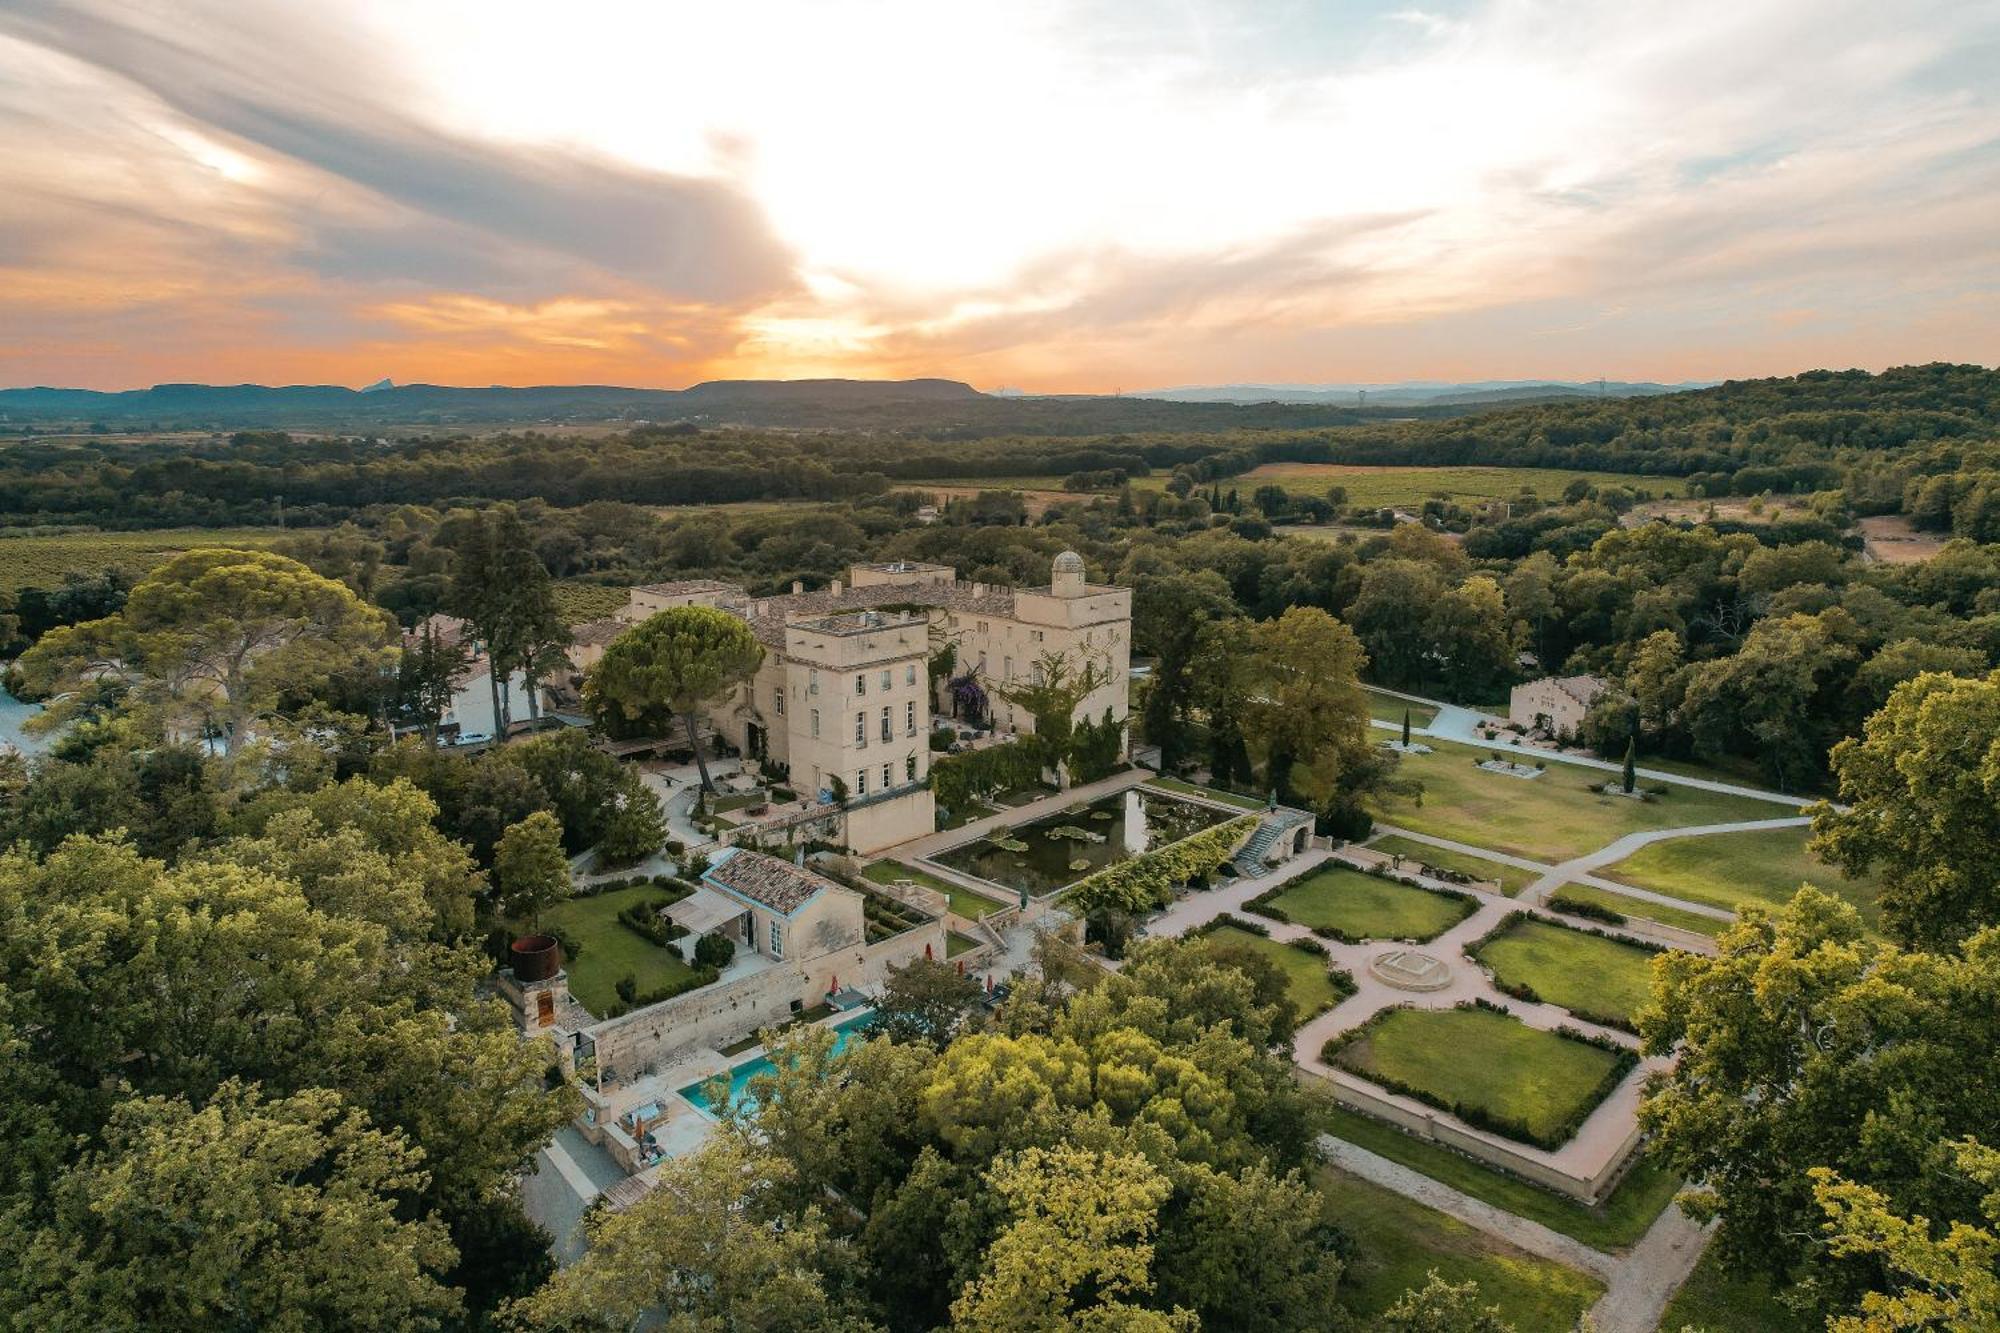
x: 1147, y: 882
x: 714, y: 951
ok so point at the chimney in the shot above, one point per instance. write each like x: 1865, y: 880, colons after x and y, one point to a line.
x: 834, y: 588
x: 797, y: 587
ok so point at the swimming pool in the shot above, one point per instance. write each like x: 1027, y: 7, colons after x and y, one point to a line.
x: 740, y: 1075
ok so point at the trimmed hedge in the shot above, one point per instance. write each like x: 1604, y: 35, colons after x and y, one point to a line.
x: 1563, y: 902
x: 1479, y: 1117
x: 1521, y: 990
x: 627, y: 988
x: 1147, y: 882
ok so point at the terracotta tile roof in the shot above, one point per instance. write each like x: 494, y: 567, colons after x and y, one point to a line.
x: 778, y: 885
x: 598, y: 631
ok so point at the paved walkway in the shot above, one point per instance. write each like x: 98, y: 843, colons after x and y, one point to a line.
x: 1613, y: 852
x: 1053, y: 803
x: 1638, y: 1284
x: 1536, y: 1239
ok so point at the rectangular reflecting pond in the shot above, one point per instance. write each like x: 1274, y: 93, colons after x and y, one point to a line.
x: 1060, y: 849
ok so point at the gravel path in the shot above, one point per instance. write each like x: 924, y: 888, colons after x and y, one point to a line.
x: 1536, y: 1239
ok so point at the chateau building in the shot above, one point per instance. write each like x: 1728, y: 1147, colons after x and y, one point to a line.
x: 843, y: 700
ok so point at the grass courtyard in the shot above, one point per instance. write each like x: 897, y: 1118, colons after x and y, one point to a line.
x: 1525, y: 1079
x: 1512, y: 878
x: 1760, y: 866
x: 1365, y: 907
x: 964, y: 901
x: 1588, y: 975
x: 1613, y: 1225
x: 610, y: 948
x: 1397, y: 1242
x: 1309, y: 977
x: 1550, y: 818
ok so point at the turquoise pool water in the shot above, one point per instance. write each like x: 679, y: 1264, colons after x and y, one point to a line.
x: 740, y: 1075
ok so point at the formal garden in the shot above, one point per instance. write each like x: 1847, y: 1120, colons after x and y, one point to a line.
x: 1351, y: 906
x: 1594, y: 976
x: 1313, y: 983
x: 1528, y: 1084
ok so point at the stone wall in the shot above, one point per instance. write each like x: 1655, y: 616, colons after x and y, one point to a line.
x: 1523, y: 1162
x: 660, y: 1035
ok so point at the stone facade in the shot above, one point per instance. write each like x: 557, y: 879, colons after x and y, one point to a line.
x: 1554, y: 704
x: 845, y: 691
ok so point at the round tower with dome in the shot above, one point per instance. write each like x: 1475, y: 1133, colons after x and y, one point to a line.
x: 1066, y: 576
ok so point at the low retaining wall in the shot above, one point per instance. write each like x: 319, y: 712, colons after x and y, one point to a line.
x: 1436, y: 1127
x: 650, y: 1039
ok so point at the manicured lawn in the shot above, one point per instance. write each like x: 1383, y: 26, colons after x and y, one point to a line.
x: 1643, y: 910
x: 1389, y: 708
x: 964, y: 901
x: 1586, y: 974
x: 610, y: 948
x: 1550, y: 818
x: 1512, y: 878
x: 1613, y: 1225
x: 1520, y: 1074
x: 1398, y: 1242
x: 956, y: 944
x: 1724, y: 869
x: 1190, y: 789
x: 1308, y: 975
x: 1719, y: 1302
x: 1367, y: 908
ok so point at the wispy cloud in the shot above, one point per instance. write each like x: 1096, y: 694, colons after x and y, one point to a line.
x: 1065, y: 195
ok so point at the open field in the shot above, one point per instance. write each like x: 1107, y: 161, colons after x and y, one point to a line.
x: 1512, y: 878
x: 1525, y: 1076
x: 40, y: 560
x: 1368, y: 485
x: 1640, y: 909
x: 1718, y: 1302
x: 964, y: 901
x: 1586, y: 974
x: 1724, y: 869
x: 1551, y: 818
x: 1365, y: 907
x: 1397, y: 1242
x: 610, y: 948
x: 1891, y: 539
x: 1307, y: 975
x: 1613, y: 1225
x: 1389, y: 708
x: 1376, y: 486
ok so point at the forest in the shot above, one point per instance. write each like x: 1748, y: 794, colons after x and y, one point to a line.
x: 230, y: 976
x: 1917, y: 439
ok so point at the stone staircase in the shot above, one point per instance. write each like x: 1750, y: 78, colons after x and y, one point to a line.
x: 1278, y: 823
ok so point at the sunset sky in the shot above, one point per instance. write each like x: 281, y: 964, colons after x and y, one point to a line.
x: 1084, y: 196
